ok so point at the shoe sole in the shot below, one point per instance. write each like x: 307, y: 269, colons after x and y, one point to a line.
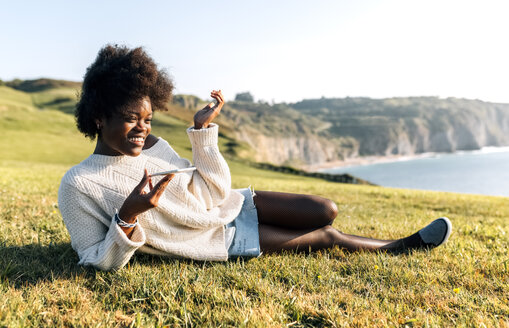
x: 449, y: 229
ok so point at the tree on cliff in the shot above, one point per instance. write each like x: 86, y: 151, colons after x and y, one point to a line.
x: 244, y: 96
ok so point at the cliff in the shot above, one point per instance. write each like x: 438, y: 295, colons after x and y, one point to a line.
x: 317, y: 131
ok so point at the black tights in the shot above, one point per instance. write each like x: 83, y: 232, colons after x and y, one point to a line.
x: 303, y: 222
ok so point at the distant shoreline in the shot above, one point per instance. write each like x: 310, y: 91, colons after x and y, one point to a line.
x: 369, y: 160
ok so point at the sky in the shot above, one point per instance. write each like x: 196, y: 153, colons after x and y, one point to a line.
x: 281, y: 51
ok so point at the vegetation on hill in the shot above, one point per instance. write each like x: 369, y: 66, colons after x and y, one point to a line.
x: 41, y: 84
x: 317, y: 131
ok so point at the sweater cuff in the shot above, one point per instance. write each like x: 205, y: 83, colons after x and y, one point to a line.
x: 203, y: 137
x: 137, y: 238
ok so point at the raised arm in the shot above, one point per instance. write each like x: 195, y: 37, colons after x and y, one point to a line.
x: 212, y: 180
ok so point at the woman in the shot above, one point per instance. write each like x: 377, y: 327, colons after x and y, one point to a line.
x: 112, y: 207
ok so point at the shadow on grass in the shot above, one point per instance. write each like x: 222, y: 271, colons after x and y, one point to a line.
x: 149, y: 260
x: 30, y: 264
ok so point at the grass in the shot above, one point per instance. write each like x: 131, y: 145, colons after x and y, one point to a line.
x: 464, y: 283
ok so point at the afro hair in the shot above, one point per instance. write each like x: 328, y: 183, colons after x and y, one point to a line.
x: 118, y: 77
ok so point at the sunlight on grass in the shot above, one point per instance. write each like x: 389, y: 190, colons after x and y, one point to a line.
x: 464, y: 283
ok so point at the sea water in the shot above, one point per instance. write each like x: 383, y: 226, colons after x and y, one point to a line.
x: 485, y: 171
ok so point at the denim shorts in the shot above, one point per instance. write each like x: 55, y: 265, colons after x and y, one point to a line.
x: 245, y: 240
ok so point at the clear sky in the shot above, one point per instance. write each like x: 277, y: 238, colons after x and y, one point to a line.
x: 278, y: 50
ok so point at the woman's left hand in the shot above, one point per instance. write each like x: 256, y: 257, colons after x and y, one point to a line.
x: 205, y: 115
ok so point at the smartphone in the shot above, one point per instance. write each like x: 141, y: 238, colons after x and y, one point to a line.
x: 187, y: 169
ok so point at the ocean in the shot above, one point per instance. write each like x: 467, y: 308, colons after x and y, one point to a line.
x: 484, y: 171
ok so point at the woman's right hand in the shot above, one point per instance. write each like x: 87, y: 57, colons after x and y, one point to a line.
x: 140, y: 201
x: 203, y: 117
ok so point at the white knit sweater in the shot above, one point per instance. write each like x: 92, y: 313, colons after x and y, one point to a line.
x: 188, y: 222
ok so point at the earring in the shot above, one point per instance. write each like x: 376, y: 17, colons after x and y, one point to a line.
x: 98, y: 126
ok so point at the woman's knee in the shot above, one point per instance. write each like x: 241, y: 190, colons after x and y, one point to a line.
x: 329, y: 209
x: 333, y: 209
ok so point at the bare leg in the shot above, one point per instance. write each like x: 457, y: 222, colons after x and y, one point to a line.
x: 294, y: 211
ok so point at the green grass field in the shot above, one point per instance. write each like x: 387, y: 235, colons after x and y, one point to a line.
x: 464, y: 283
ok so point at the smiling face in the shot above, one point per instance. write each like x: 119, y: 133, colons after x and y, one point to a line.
x: 125, y: 133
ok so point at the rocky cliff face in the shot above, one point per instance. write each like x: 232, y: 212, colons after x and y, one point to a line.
x: 348, y: 128
x: 297, y: 150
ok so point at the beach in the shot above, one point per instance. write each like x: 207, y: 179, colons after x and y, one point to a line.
x: 370, y: 160
x: 366, y: 160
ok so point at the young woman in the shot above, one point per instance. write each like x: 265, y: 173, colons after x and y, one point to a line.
x: 112, y: 206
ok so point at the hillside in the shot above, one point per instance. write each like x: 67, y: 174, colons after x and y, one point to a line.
x: 317, y: 131
x: 39, y: 127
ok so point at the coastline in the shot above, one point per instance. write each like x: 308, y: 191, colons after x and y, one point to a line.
x: 366, y: 160
x: 369, y: 160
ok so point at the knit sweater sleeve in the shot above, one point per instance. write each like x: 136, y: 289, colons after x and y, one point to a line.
x: 212, y: 181
x: 95, y: 235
